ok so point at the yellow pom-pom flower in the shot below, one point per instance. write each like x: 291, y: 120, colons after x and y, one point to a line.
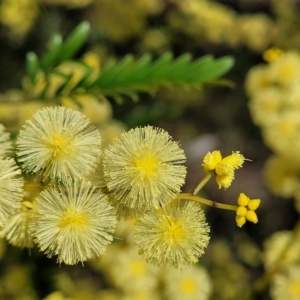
x: 175, y: 236
x: 286, y: 285
x: 246, y: 210
x: 74, y: 222
x: 127, y: 267
x: 11, y: 189
x: 192, y: 283
x: 143, y: 168
x: 275, y: 245
x: 59, y: 142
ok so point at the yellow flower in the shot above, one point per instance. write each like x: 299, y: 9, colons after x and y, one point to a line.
x: 143, y: 168
x: 246, y: 210
x: 175, y: 236
x: 16, y: 228
x: 211, y: 160
x: 59, y: 142
x: 236, y: 160
x: 223, y: 167
x: 272, y: 54
x: 225, y: 180
x: 275, y: 245
x: 11, y: 189
x: 285, y: 285
x: 128, y: 267
x: 74, y: 222
x: 5, y: 143
x: 281, y: 176
x: 189, y: 284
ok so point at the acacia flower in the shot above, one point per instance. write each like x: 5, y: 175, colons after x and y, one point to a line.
x: 246, y: 210
x: 127, y: 266
x: 223, y: 168
x: 174, y: 236
x: 74, y: 222
x: 192, y: 283
x: 5, y: 143
x: 275, y: 245
x: 143, y: 168
x: 285, y: 285
x: 59, y: 142
x: 16, y: 228
x: 11, y: 189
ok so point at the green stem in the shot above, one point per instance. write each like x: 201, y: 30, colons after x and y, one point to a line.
x: 211, y: 203
x: 202, y: 183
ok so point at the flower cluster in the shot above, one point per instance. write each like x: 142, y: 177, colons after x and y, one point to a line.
x: 246, y: 210
x: 66, y: 215
x: 274, y: 93
x: 223, y: 168
x: 74, y: 193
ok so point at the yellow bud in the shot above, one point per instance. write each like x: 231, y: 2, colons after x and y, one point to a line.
x: 254, y: 204
x: 243, y: 200
x: 211, y: 160
x: 236, y: 160
x: 224, y: 181
x: 251, y: 216
x: 240, y: 221
x: 241, y: 211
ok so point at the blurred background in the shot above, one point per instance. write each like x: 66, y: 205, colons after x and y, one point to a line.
x: 256, y: 114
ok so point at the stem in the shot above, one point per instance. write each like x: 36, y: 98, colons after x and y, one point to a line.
x: 202, y: 183
x: 33, y: 186
x: 211, y: 203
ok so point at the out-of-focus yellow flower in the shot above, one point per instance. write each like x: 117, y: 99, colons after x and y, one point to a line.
x: 19, y: 16
x: 285, y: 285
x: 191, y: 283
x: 285, y: 70
x: 272, y: 54
x: 246, y: 210
x: 281, y: 176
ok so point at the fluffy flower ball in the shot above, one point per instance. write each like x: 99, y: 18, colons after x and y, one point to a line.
x: 74, y: 222
x: 174, y: 236
x: 11, y: 189
x: 143, y: 168
x: 60, y: 142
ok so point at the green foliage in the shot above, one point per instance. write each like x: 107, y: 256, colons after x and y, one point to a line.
x: 126, y: 77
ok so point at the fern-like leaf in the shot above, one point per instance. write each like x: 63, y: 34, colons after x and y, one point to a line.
x: 128, y: 77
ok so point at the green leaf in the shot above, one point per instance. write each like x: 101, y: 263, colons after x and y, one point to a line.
x: 32, y: 65
x: 51, y: 57
x: 128, y: 77
x: 74, y: 41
